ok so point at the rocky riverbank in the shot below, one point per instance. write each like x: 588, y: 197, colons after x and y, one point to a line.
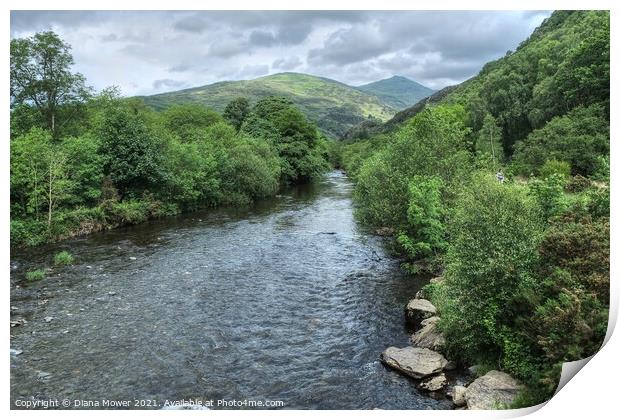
x: 423, y: 361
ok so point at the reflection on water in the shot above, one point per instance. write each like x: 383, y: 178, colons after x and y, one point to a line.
x: 288, y: 301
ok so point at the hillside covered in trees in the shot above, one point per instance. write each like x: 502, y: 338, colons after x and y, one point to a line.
x: 501, y: 185
x: 84, y: 161
x: 333, y: 106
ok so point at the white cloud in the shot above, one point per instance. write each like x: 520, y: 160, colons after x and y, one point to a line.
x: 146, y: 52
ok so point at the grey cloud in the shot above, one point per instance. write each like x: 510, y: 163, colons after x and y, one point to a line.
x: 227, y: 48
x: 192, y: 24
x: 109, y: 38
x: 287, y: 64
x: 179, y: 68
x: 253, y: 70
x: 347, y: 46
x: 138, y: 49
x: 168, y: 84
x: 262, y: 38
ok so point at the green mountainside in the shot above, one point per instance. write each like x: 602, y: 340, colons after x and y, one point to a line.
x: 333, y: 106
x: 397, y: 91
x: 564, y: 64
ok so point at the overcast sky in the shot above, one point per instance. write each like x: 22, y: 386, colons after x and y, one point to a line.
x: 150, y: 52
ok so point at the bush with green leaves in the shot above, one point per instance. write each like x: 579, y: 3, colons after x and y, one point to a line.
x: 63, y: 258
x: 494, y: 232
x: 302, y: 151
x: 425, y: 232
x: 549, y: 193
x: 580, y: 138
x: 554, y: 167
x: 433, y: 143
x: 35, y: 275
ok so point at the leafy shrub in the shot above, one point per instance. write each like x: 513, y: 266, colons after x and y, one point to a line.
x: 63, y: 258
x: 35, y: 275
x: 130, y: 212
x: 578, y: 183
x: 494, y: 233
x: 554, y: 167
x: 598, y: 202
x: 431, y: 144
x: 549, y: 194
x: 424, y: 235
x: 579, y: 138
x: 28, y: 232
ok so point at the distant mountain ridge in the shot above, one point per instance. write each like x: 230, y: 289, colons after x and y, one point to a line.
x: 398, y: 91
x: 334, y: 106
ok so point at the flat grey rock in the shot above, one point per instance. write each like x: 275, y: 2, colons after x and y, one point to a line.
x: 494, y: 390
x: 416, y: 362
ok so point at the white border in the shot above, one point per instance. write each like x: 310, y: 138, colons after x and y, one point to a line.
x: 591, y: 394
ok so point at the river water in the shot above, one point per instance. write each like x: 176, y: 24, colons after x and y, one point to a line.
x: 287, y: 301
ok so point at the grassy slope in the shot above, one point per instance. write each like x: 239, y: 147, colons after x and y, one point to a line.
x: 398, y: 91
x: 333, y: 106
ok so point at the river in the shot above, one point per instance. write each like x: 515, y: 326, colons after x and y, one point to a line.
x: 288, y: 301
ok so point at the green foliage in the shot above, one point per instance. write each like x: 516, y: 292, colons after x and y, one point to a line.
x: 63, y: 258
x: 494, y: 232
x: 252, y: 171
x: 579, y: 138
x: 121, y: 163
x: 41, y: 77
x: 425, y: 231
x: 35, y: 275
x: 28, y: 232
x: 132, y: 153
x: 236, y: 112
x: 549, y: 193
x: 187, y: 120
x: 526, y: 265
x: 555, y: 167
x: 431, y: 144
x: 302, y: 152
x: 489, y: 148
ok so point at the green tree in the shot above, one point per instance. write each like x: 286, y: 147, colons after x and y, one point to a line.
x: 28, y: 172
x: 132, y: 154
x: 236, y: 112
x: 580, y: 138
x: 41, y: 77
x: 494, y: 233
x: 433, y: 143
x: 425, y: 232
x: 187, y: 121
x: 39, y: 174
x: 489, y: 142
x: 303, y: 154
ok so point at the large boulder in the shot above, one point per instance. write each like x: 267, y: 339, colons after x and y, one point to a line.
x: 429, y: 335
x: 434, y: 383
x: 458, y: 395
x: 419, y: 309
x: 492, y: 391
x: 414, y: 361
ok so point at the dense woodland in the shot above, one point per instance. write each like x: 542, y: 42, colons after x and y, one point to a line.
x: 82, y: 162
x: 525, y: 261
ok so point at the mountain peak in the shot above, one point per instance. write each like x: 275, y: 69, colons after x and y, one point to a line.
x: 398, y: 91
